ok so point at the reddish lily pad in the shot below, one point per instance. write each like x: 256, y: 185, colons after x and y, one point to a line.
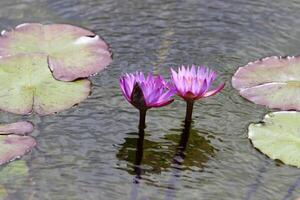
x: 272, y: 81
x: 19, y: 128
x: 13, y: 145
x: 26, y: 85
x: 72, y: 52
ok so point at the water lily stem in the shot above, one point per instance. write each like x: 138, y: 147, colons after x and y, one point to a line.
x: 178, y: 159
x: 189, y: 112
x: 139, y: 155
x: 142, y: 123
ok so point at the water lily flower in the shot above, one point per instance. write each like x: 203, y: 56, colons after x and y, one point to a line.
x: 146, y: 92
x: 193, y: 83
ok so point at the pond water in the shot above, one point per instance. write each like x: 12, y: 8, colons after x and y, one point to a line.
x: 88, y: 152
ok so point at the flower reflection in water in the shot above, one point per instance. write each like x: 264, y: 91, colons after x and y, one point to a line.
x: 158, y: 154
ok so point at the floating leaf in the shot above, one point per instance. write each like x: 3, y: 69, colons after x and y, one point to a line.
x: 19, y: 128
x: 26, y: 85
x: 3, y: 192
x: 278, y: 136
x: 13, y: 177
x: 72, y: 52
x: 13, y: 171
x: 13, y: 146
x: 272, y: 81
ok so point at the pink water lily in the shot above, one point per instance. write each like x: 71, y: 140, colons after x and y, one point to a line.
x: 193, y: 83
x: 146, y: 92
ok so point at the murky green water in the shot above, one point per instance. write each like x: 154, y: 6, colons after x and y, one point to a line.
x: 89, y: 152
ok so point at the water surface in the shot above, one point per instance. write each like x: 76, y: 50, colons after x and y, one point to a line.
x: 88, y: 152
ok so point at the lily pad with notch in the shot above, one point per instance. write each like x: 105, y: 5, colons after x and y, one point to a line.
x: 72, y: 52
x: 278, y: 136
x: 26, y: 86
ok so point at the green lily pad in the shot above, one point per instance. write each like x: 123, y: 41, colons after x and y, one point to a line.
x: 3, y: 192
x: 272, y: 81
x: 13, y: 176
x: 11, y: 172
x: 278, y: 136
x: 72, y: 52
x: 26, y: 85
x: 13, y: 142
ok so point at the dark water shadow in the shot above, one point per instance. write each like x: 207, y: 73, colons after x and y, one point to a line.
x: 158, y: 155
x: 174, y: 152
x: 147, y: 153
x: 291, y: 189
x: 258, y: 182
x: 192, y: 150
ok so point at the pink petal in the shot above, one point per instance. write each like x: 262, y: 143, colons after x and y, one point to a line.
x: 161, y: 104
x: 203, y: 89
x: 122, y: 86
x: 214, y: 91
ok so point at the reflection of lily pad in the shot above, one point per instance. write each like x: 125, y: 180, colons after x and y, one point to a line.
x: 26, y: 85
x: 13, y: 146
x: 278, y: 136
x: 272, y: 81
x: 72, y: 52
x: 158, y: 156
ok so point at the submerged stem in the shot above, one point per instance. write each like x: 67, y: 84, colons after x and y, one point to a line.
x: 139, y: 151
x: 142, y: 122
x: 139, y: 155
x: 179, y: 156
x: 189, y: 112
